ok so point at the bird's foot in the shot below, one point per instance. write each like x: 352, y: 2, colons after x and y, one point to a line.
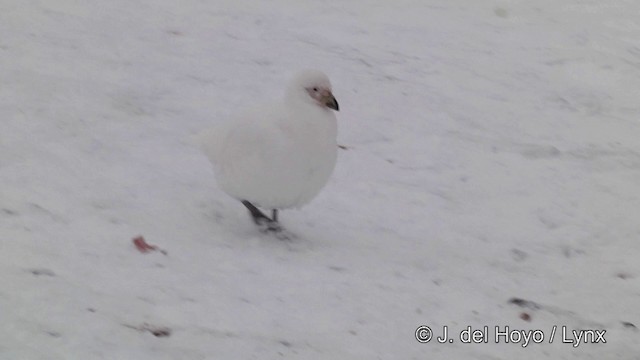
x: 267, y: 225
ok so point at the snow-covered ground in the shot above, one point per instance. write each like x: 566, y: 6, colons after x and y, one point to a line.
x: 493, y: 154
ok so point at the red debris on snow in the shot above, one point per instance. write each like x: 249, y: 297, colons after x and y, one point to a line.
x: 142, y: 246
x: 525, y: 316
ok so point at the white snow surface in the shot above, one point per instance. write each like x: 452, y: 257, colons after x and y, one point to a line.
x: 278, y: 155
x: 492, y: 154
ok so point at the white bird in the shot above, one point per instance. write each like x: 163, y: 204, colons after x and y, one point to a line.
x: 279, y: 155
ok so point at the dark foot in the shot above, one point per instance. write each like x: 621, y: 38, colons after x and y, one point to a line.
x: 263, y: 221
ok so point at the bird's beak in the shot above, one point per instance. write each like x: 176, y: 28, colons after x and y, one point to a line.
x: 331, y: 102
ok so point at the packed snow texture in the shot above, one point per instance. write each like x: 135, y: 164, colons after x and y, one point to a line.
x: 492, y: 153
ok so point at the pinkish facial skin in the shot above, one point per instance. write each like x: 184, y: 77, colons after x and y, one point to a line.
x: 323, y: 97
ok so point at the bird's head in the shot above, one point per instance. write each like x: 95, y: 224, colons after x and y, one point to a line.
x: 315, y: 87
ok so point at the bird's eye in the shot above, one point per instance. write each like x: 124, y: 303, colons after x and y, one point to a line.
x: 315, y: 89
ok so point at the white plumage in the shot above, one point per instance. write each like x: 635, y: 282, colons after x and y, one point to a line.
x: 279, y: 155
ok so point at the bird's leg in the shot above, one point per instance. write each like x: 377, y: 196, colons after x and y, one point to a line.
x: 258, y: 216
x: 274, y: 215
x: 261, y: 219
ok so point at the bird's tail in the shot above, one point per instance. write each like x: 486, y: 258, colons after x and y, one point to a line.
x: 208, y: 141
